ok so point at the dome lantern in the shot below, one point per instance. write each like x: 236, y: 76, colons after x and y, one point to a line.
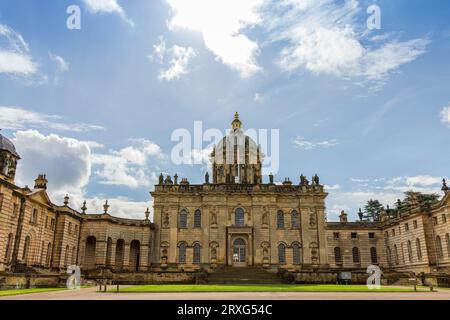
x: 236, y: 124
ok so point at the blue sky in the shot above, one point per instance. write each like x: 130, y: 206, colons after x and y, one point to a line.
x: 367, y: 110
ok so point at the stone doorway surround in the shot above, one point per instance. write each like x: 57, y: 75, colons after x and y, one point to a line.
x: 246, y: 234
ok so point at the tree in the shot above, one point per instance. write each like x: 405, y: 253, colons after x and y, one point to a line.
x: 372, y: 210
x: 424, y: 200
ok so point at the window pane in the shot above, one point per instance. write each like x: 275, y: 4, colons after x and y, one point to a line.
x: 239, y: 217
x: 197, y: 219
x: 183, y: 219
x: 296, y: 253
x: 337, y: 255
x: 280, y: 220
x: 282, y: 254
x: 182, y: 253
x: 197, y: 252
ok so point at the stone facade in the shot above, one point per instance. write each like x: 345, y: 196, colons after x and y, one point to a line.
x: 233, y: 220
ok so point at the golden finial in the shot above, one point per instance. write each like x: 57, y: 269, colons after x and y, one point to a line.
x: 236, y: 124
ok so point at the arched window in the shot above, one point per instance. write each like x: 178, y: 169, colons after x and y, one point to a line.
x: 34, y: 217
x: 89, y: 255
x: 182, y: 252
x: 440, y: 252
x: 108, y: 251
x: 356, y: 256
x: 26, y: 249
x: 239, y: 217
x: 135, y: 255
x: 373, y: 255
x: 418, y: 249
x: 395, y: 254
x: 282, y: 253
x: 337, y: 255
x: 410, y: 254
x: 197, y: 253
x: 296, y: 253
x: 447, y: 236
x: 295, y: 221
x: 197, y: 219
x: 280, y: 220
x: 183, y: 219
x: 120, y: 253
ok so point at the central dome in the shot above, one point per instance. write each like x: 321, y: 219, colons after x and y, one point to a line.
x: 237, y: 157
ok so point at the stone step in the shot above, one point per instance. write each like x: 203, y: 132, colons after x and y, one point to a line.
x: 243, y: 275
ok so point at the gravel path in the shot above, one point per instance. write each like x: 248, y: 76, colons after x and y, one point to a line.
x: 91, y: 294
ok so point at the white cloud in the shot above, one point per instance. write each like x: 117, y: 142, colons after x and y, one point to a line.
x: 14, y: 53
x: 221, y: 24
x: 107, y: 6
x: 175, y: 60
x: 61, y: 65
x: 258, y: 98
x: 119, y: 207
x: 325, y: 37
x: 322, y: 36
x: 94, y: 144
x: 387, y: 191
x: 304, y: 144
x: 350, y: 201
x: 66, y: 161
x: 445, y: 115
x: 16, y: 118
x: 334, y: 187
x: 132, y: 166
x: 421, y: 183
x: 359, y: 180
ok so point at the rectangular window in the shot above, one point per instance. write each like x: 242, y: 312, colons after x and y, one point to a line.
x: 444, y: 218
x: 34, y: 216
x: 52, y: 224
x: 415, y: 224
x: 46, y: 222
x: 371, y: 235
x: 15, y: 209
x: 393, y: 232
x: 336, y: 235
x: 354, y: 235
x: 1, y: 201
x: 435, y: 221
x: 406, y: 227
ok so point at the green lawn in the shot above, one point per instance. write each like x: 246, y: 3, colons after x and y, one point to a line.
x: 14, y: 292
x: 258, y: 288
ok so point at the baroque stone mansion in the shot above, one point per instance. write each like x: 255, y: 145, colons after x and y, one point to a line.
x: 234, y: 220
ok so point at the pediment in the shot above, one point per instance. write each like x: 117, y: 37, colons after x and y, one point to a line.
x: 40, y: 196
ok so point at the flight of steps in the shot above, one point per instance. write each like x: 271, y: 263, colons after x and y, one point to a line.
x: 244, y: 275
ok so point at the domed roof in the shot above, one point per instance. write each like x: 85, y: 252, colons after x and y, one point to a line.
x: 237, y: 138
x: 7, y: 145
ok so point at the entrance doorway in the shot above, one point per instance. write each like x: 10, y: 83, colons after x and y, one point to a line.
x: 239, y: 253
